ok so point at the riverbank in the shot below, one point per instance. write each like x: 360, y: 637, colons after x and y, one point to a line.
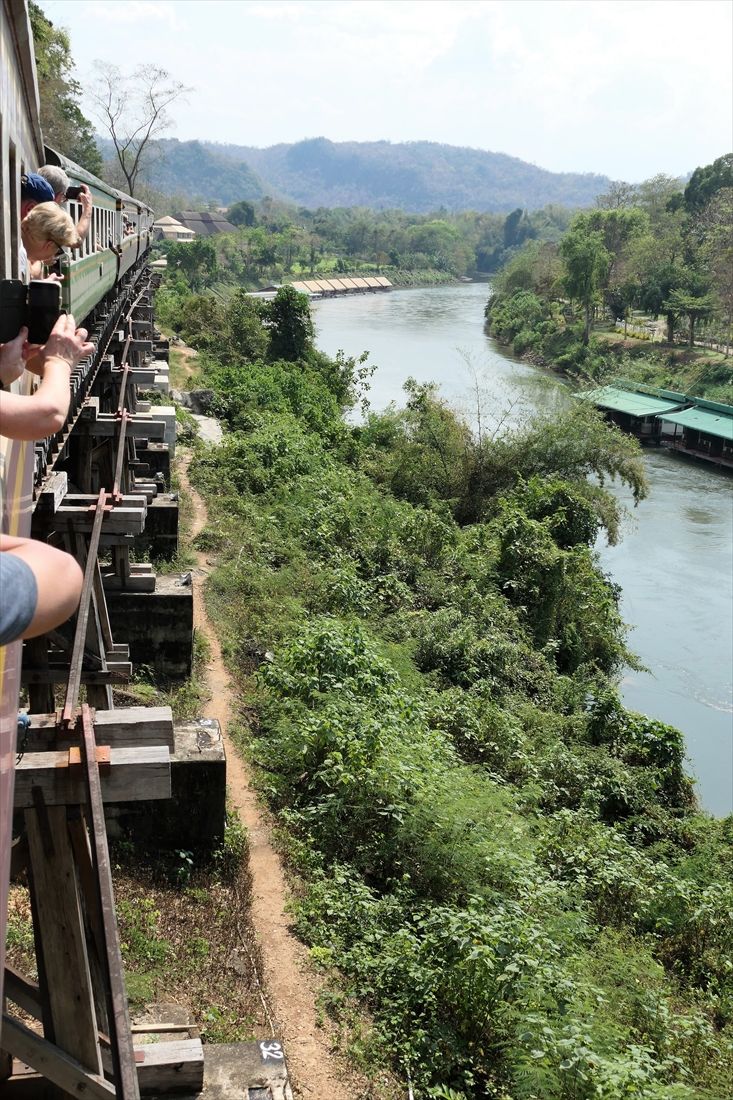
x: 681, y: 530
x: 439, y: 778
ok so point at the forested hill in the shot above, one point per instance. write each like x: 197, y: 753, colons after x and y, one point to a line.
x: 197, y: 170
x: 413, y: 176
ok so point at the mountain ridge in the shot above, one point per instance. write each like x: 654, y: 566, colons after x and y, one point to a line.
x: 416, y: 176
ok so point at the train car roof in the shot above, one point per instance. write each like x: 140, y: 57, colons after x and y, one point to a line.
x: 71, y: 168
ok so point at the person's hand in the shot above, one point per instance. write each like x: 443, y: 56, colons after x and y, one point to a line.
x: 33, y: 358
x: 53, y: 278
x: 12, y: 363
x: 85, y: 199
x: 67, y: 342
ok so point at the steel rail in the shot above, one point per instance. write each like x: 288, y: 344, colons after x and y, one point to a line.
x: 120, y: 462
x: 123, y: 385
x: 123, y: 1054
x: 82, y: 621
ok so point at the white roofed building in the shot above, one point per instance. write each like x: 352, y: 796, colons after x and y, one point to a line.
x: 168, y: 229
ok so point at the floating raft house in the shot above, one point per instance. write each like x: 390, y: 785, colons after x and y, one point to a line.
x: 329, y: 288
x: 706, y: 431
x: 690, y: 425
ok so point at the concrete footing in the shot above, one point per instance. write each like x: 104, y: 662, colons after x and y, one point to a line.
x: 160, y: 537
x: 252, y: 1071
x: 158, y: 458
x: 193, y: 818
x: 157, y: 626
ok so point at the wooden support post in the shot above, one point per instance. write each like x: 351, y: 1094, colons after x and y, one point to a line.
x: 40, y: 694
x: 57, y: 906
x: 121, y: 1039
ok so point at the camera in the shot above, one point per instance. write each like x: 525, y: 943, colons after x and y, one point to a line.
x: 38, y: 306
x: 73, y: 192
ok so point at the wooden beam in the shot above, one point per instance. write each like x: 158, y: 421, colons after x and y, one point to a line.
x: 118, y: 672
x: 93, y: 422
x: 59, y: 1068
x: 52, y: 492
x: 172, y: 1067
x: 124, y: 727
x: 23, y: 992
x: 134, y: 774
x: 125, y: 519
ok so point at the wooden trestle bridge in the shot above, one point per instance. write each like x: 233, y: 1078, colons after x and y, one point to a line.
x: 94, y: 484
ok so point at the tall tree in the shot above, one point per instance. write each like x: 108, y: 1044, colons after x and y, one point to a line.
x: 241, y: 213
x: 704, y: 182
x: 694, y: 306
x: 196, y: 259
x: 288, y: 317
x: 64, y: 126
x: 587, y: 263
x: 133, y: 109
x: 619, y: 195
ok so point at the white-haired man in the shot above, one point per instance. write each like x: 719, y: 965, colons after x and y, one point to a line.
x: 60, y: 183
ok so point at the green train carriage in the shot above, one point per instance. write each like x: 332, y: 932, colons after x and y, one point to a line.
x: 107, y: 253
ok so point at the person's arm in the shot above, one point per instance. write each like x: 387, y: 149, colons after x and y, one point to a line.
x: 44, y: 412
x: 11, y: 358
x: 87, y: 205
x: 58, y: 580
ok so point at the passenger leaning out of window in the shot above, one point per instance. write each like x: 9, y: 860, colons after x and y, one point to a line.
x: 46, y: 231
x: 61, y: 184
x: 34, y: 189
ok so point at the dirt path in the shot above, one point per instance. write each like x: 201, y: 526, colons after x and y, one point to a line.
x: 291, y: 988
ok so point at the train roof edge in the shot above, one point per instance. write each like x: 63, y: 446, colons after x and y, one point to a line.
x: 71, y: 168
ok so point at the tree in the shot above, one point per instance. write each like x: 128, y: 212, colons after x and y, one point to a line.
x: 694, y: 306
x: 655, y: 294
x: 587, y: 262
x: 619, y: 195
x: 241, y: 213
x: 654, y: 195
x: 288, y: 318
x: 245, y: 337
x: 64, y: 126
x: 517, y: 229
x: 705, y: 182
x: 133, y: 110
x: 716, y: 250
x: 196, y: 259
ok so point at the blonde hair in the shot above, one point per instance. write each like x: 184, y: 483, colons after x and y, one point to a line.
x: 48, y: 222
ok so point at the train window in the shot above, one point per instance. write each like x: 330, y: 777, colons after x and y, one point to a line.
x: 14, y: 170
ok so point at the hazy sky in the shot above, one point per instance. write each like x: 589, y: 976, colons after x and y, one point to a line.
x: 627, y: 88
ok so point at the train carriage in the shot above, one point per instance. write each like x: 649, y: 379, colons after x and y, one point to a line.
x: 108, y: 252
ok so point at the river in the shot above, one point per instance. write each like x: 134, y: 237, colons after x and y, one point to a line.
x: 675, y: 560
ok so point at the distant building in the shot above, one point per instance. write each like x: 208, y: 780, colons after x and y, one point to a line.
x: 205, y: 224
x: 168, y: 229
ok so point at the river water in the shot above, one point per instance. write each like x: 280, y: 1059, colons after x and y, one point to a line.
x: 675, y: 560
